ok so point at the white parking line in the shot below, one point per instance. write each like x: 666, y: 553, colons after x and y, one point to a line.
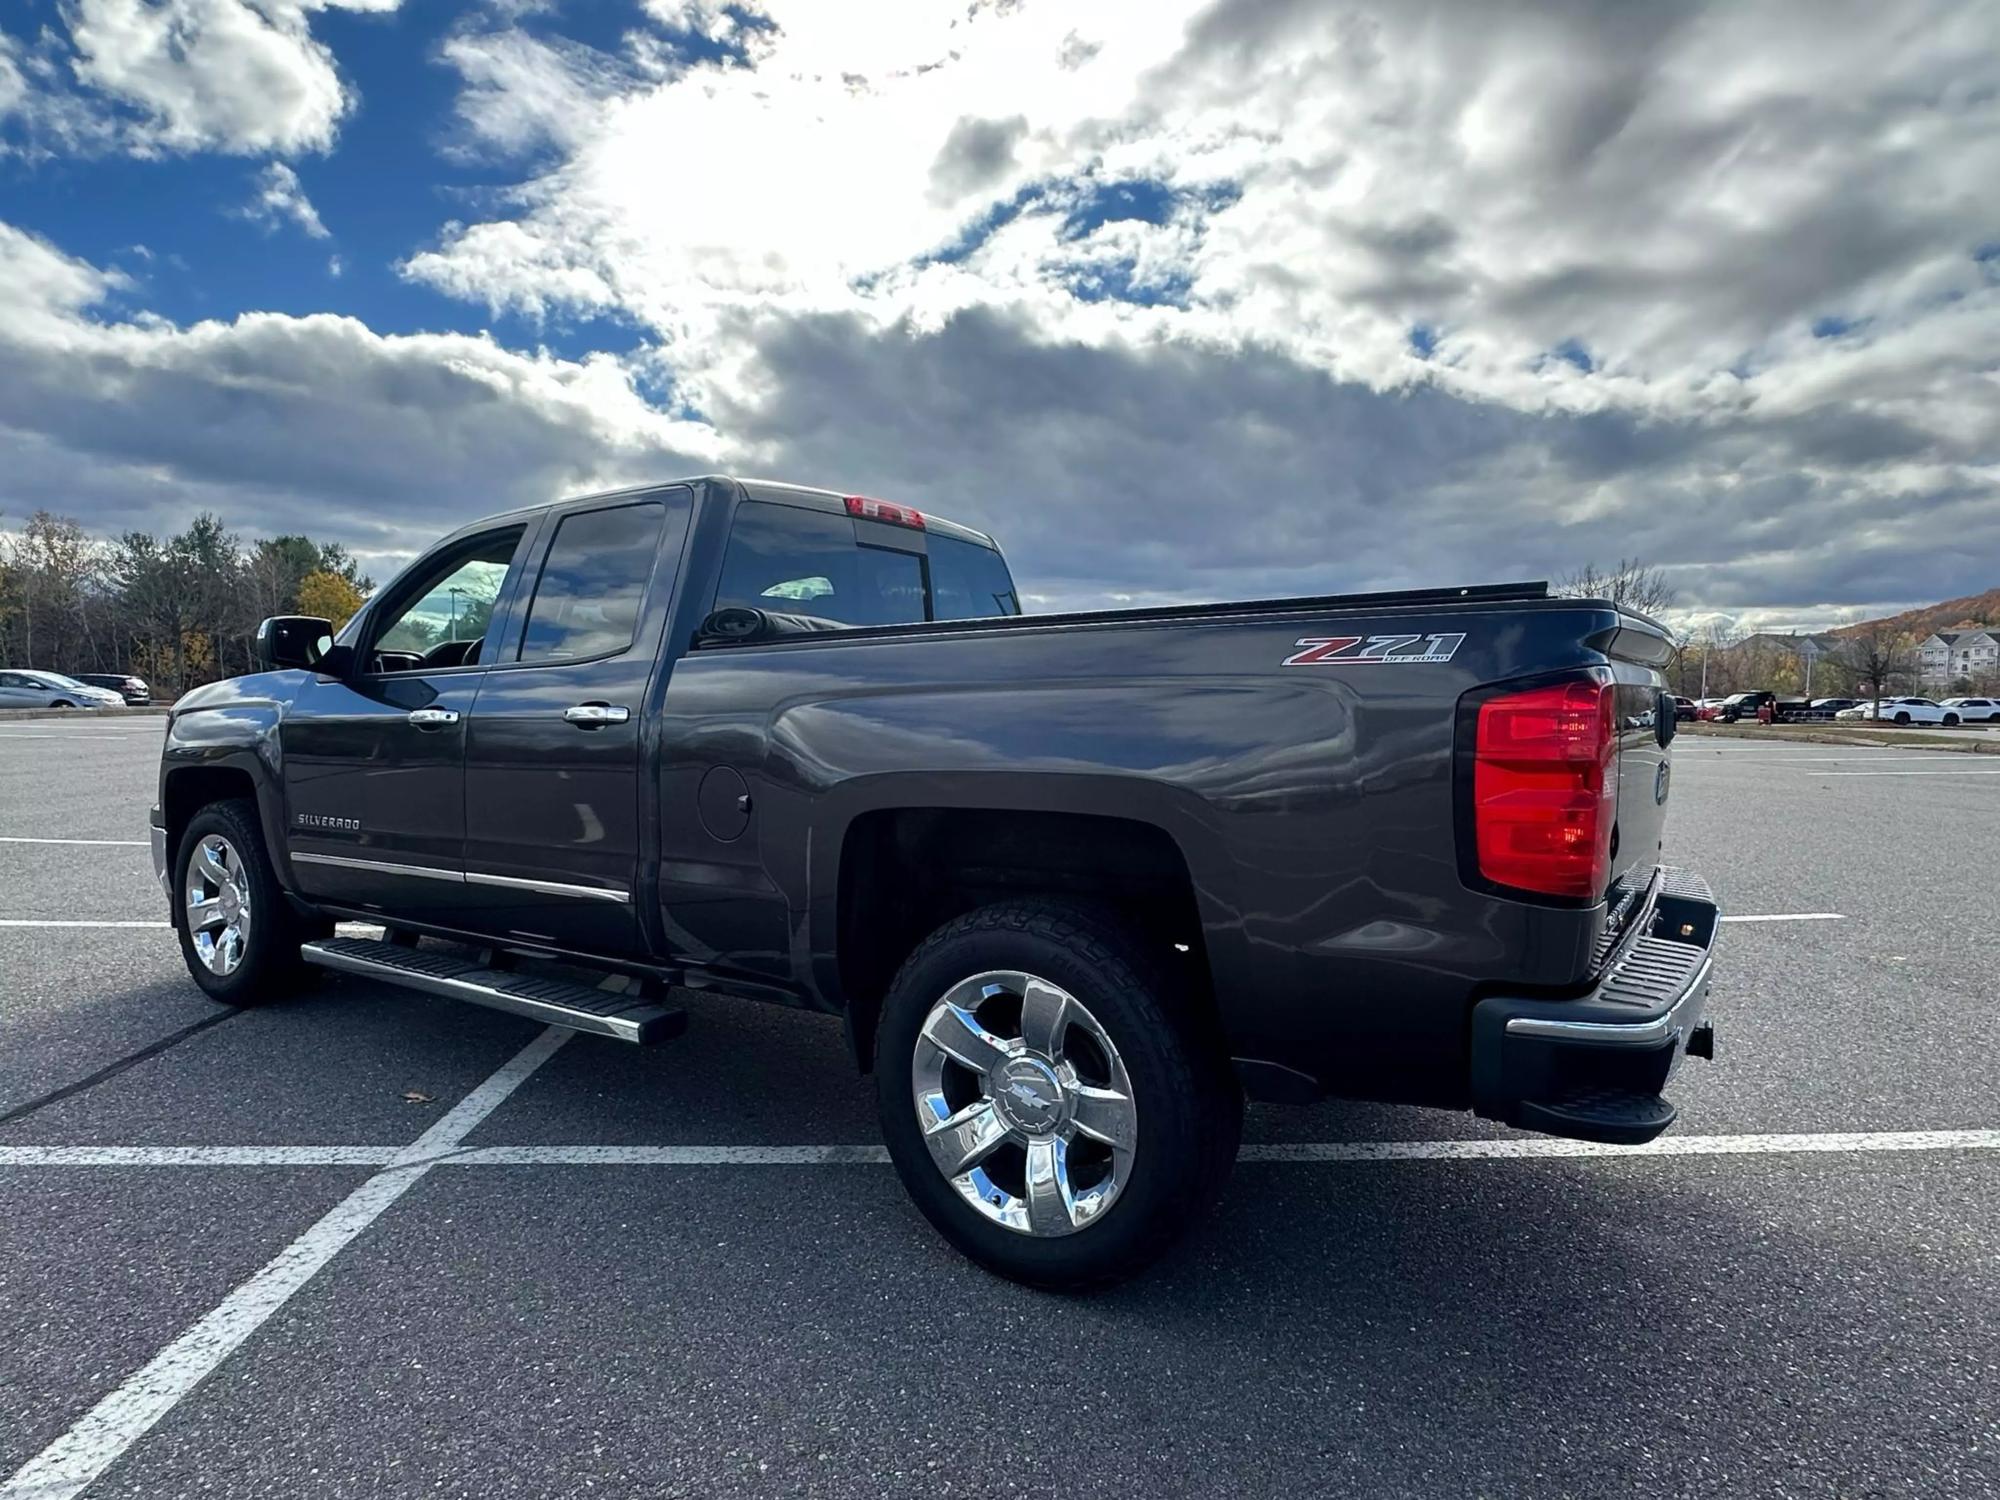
x: 72, y: 1461
x: 112, y: 843
x: 64, y: 922
x: 1792, y: 916
x: 1510, y: 1148
x: 1968, y: 771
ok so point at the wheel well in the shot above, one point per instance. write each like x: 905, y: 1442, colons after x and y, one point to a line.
x: 189, y: 791
x: 905, y: 872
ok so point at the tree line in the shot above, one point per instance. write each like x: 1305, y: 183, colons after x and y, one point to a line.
x: 178, y: 610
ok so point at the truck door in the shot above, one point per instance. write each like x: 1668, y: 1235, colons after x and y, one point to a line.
x: 373, y: 761
x: 554, y: 744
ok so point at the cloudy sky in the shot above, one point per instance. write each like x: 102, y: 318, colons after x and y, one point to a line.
x: 1181, y: 300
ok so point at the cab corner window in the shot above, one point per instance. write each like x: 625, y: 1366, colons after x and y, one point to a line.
x: 441, y: 619
x: 593, y: 585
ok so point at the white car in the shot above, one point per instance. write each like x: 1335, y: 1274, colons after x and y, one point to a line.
x: 1902, y: 711
x: 1975, y: 710
x: 38, y: 689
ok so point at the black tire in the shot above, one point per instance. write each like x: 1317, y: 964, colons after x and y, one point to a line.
x: 270, y: 966
x: 62, y: 703
x: 1902, y: 718
x: 1187, y: 1102
x: 1951, y: 721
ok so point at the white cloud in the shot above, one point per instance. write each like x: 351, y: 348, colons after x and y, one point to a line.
x: 153, y: 76
x: 279, y: 199
x: 1671, y: 195
x: 312, y: 423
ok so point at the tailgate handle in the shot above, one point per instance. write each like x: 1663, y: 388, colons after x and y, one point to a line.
x: 591, y: 715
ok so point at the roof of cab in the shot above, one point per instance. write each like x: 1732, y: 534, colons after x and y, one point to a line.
x: 777, y: 491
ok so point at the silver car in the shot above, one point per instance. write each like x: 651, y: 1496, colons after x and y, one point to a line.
x: 22, y: 688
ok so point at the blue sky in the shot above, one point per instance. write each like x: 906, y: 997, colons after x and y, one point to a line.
x: 381, y: 194
x: 1184, y: 299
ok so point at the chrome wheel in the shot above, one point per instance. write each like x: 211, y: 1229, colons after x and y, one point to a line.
x: 1024, y: 1103
x: 218, y: 905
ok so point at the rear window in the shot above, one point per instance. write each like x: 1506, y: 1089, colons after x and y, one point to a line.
x: 808, y: 562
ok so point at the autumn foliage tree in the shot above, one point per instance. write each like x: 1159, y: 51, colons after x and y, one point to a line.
x: 328, y: 596
x: 177, y: 610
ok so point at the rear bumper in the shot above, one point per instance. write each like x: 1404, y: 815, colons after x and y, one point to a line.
x: 1594, y: 1067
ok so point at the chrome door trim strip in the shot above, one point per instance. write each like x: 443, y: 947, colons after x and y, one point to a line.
x: 550, y: 887
x: 380, y: 866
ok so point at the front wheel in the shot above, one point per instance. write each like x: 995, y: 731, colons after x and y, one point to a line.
x: 1902, y: 718
x: 238, y: 937
x: 1951, y: 721
x: 1052, y: 1105
x: 62, y: 703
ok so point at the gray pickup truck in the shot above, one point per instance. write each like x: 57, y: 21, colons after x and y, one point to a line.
x: 1076, y: 883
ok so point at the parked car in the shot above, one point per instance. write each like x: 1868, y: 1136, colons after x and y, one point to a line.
x: 1076, y: 884
x: 132, y: 690
x: 1684, y: 709
x: 1975, y: 710
x: 1835, y: 705
x: 1902, y: 711
x: 21, y: 688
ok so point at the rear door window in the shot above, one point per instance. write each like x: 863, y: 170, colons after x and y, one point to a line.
x: 791, y: 560
x: 593, y: 584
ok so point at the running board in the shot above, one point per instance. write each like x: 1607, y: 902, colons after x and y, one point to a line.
x: 628, y: 1018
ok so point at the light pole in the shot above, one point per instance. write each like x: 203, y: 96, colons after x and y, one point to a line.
x: 455, y: 591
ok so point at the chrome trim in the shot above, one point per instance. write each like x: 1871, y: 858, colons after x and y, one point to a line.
x: 550, y: 887
x: 425, y: 718
x: 1620, y: 1033
x: 623, y: 1028
x: 160, y: 871
x: 589, y: 714
x: 381, y: 866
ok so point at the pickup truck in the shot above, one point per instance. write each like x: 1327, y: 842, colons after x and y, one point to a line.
x: 1077, y: 883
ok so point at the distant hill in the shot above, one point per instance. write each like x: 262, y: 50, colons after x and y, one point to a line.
x: 1983, y: 609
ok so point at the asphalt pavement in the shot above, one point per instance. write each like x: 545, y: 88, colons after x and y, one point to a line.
x: 366, y: 1243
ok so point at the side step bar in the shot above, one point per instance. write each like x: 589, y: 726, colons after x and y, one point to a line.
x: 628, y: 1018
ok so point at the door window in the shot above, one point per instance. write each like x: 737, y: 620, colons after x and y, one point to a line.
x: 593, y: 584
x: 441, y: 617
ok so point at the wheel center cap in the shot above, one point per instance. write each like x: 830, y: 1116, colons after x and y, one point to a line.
x: 232, y: 905
x: 1028, y: 1096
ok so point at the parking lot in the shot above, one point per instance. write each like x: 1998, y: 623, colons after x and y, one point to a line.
x: 368, y: 1243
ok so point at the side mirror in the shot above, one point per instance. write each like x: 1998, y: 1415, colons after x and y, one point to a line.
x: 294, y: 641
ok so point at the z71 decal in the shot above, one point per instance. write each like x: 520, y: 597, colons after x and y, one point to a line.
x: 1322, y: 650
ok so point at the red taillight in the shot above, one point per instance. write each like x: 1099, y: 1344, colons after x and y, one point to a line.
x: 864, y: 509
x: 1545, y: 788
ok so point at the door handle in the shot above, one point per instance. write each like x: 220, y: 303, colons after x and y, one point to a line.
x: 592, y: 715
x: 433, y: 718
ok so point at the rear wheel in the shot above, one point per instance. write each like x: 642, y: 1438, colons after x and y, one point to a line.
x: 1902, y: 718
x: 239, y: 938
x: 1052, y: 1106
x: 1951, y: 721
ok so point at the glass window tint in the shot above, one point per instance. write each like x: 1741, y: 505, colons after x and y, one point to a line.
x: 806, y: 562
x: 593, y: 584
x: 969, y: 581
x: 450, y: 607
